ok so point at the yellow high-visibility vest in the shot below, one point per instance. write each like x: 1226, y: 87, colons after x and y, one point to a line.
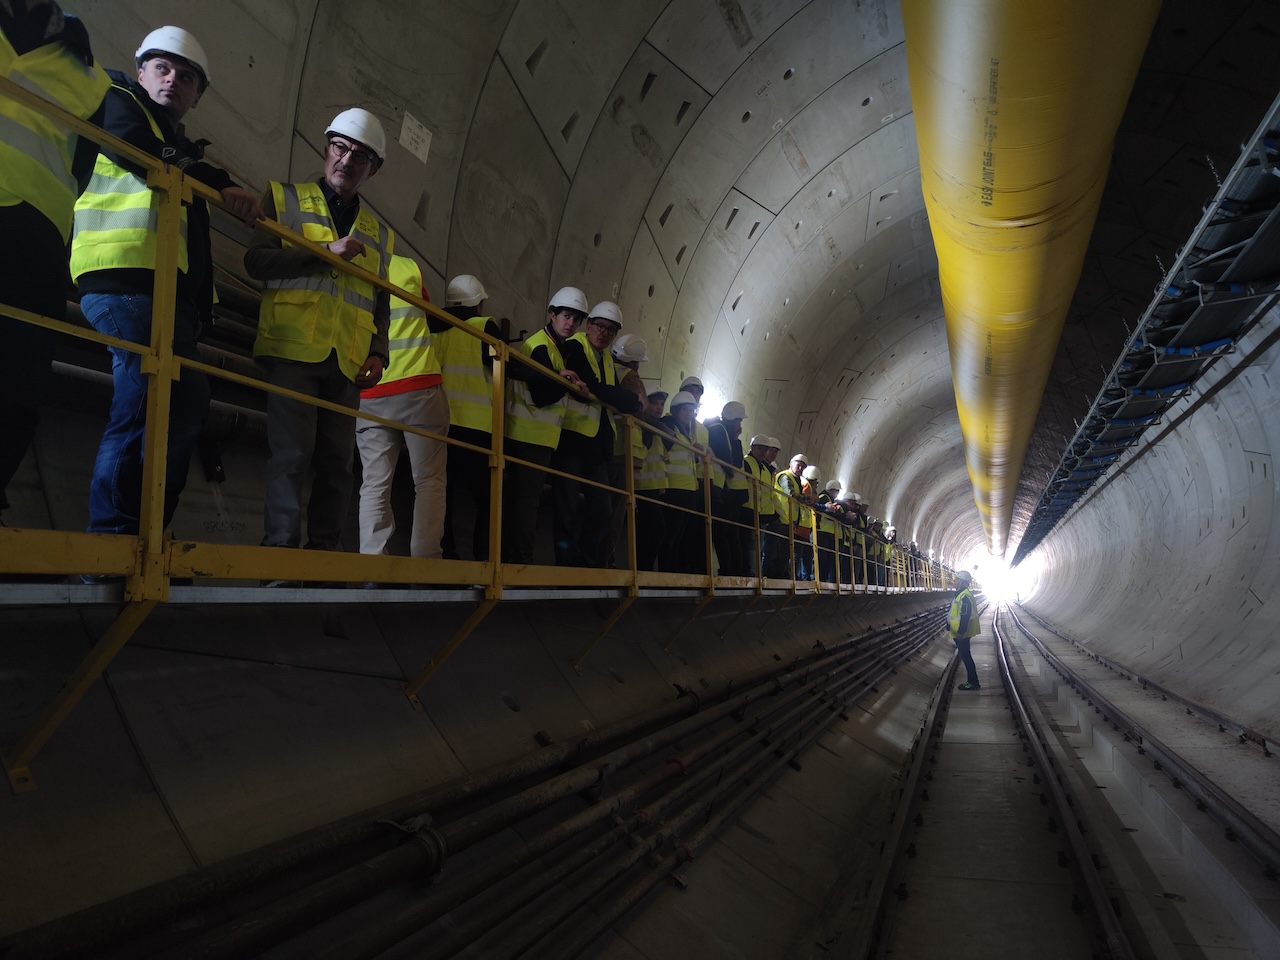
x: 788, y: 510
x: 682, y: 465
x: 761, y: 483
x: 116, y: 216
x: 304, y: 318
x: 973, y: 627
x: 652, y: 474
x: 410, y: 348
x: 468, y: 382
x: 526, y: 421
x: 583, y: 416
x: 36, y: 153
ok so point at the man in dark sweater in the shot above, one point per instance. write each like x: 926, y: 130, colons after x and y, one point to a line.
x: 113, y: 257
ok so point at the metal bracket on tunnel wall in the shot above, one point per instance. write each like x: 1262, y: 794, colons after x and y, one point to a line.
x: 746, y: 607
x: 702, y: 604
x: 468, y: 627
x: 17, y: 761
x: 614, y: 617
x: 782, y: 606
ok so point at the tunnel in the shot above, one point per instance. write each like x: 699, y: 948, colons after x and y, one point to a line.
x: 744, y: 179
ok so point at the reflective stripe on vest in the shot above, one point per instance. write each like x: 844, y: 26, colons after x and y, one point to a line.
x: 526, y: 421
x: 652, y: 474
x: 116, y: 217
x: 305, y: 318
x: 682, y: 466
x: 724, y: 476
x: 468, y: 383
x: 409, y: 342
x: 761, y: 482
x: 583, y: 416
x: 36, y: 153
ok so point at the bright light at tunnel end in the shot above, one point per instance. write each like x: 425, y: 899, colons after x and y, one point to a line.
x: 1000, y: 582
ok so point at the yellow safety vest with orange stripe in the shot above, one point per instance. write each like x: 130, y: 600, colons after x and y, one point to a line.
x: 410, y: 348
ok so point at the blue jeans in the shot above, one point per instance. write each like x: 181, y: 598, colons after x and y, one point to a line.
x: 115, y: 492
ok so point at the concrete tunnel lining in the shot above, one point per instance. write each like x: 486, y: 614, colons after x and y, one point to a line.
x: 1170, y: 567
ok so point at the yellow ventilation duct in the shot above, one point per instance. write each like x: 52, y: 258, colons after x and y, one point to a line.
x: 1016, y: 106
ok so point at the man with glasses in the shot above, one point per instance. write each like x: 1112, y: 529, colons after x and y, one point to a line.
x: 321, y: 332
x: 113, y: 261
x: 586, y: 441
x: 535, y: 410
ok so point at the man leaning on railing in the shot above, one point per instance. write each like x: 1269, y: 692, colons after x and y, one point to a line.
x: 113, y: 261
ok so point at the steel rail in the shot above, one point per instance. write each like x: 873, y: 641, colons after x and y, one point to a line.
x: 1245, y: 733
x: 1256, y: 837
x: 1117, y: 941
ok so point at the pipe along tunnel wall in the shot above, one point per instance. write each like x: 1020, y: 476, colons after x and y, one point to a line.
x: 221, y: 729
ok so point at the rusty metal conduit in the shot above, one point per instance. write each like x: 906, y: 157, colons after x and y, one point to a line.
x: 173, y: 902
x: 776, y: 722
x: 1016, y: 106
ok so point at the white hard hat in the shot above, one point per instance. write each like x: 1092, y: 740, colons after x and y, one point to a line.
x: 629, y: 347
x: 760, y: 440
x: 857, y: 498
x: 684, y: 396
x: 691, y: 382
x: 359, y: 124
x: 657, y: 393
x: 775, y: 443
x: 964, y: 575
x: 606, y: 310
x: 465, y: 291
x: 834, y: 485
x: 798, y: 456
x: 178, y: 42
x: 570, y: 297
x: 811, y: 473
x: 733, y: 410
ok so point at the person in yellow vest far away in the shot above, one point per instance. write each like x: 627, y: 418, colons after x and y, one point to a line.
x: 321, y: 332
x: 684, y: 547
x: 467, y: 366
x: 963, y: 623
x: 410, y: 392
x: 761, y: 499
x: 113, y: 261
x: 535, y: 411
x: 729, y: 493
x: 43, y: 168
x: 629, y: 351
x: 586, y: 441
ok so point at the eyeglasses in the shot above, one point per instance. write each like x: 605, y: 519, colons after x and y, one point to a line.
x: 358, y: 157
x: 604, y: 326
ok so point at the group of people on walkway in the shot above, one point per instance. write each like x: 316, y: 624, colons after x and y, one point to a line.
x: 334, y: 337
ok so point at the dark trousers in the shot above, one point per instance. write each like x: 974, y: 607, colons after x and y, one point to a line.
x: 651, y: 528
x: 826, y: 556
x: 727, y: 538
x: 776, y: 539
x: 467, y: 475
x: 962, y: 648
x: 684, y: 546
x: 580, y: 529
x: 33, y: 277
x: 522, y: 495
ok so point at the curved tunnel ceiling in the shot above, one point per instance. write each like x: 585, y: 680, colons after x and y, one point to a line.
x: 741, y: 177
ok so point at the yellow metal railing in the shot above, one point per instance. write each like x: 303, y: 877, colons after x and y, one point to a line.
x: 150, y: 560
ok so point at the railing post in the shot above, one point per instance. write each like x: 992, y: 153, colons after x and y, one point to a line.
x: 497, y: 423
x: 160, y: 367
